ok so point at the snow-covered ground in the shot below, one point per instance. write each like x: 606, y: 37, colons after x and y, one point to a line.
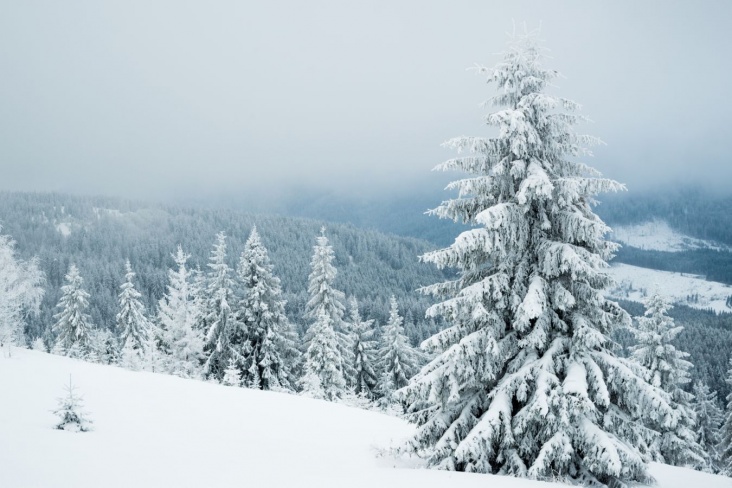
x: 633, y: 283
x: 64, y: 228
x: 657, y: 235
x: 159, y: 431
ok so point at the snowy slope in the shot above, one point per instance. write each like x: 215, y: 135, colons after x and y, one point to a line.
x: 160, y: 431
x: 657, y: 235
x: 634, y: 282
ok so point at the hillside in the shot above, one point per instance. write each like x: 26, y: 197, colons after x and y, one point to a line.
x: 634, y: 283
x: 657, y: 235
x: 152, y: 430
x: 98, y: 234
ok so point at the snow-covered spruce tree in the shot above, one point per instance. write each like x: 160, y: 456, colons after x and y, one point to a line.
x: 667, y: 368
x: 725, y: 445
x: 21, y: 292
x: 38, y: 345
x: 232, y: 374
x: 217, y: 311
x: 73, y: 325
x: 153, y: 359
x: 398, y: 361
x: 264, y: 336
x: 364, y: 353
x: 179, y: 313
x: 325, y: 298
x: 133, y: 326
x: 322, y: 378
x: 105, y: 345
x: 525, y: 381
x: 70, y: 412
x: 130, y: 358
x: 709, y: 418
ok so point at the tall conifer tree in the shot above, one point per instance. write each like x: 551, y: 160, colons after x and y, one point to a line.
x: 134, y: 328
x: 364, y: 354
x: 667, y: 368
x: 322, y: 377
x: 328, y: 300
x: 709, y: 418
x: 217, y: 312
x: 179, y: 313
x: 526, y: 382
x: 73, y: 325
x: 398, y: 361
x: 266, y: 346
x: 725, y: 445
x: 21, y: 291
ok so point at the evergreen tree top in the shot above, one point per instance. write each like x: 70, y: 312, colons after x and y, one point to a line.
x: 181, y: 258
x: 255, y: 255
x: 254, y: 235
x: 73, y: 278
x: 219, y: 279
x: 128, y: 287
x: 358, y: 325
x: 395, y: 320
x: 324, y: 297
x: 217, y: 261
x: 74, y: 299
x: 134, y: 326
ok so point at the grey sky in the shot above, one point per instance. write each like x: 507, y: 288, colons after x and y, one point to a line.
x: 161, y: 98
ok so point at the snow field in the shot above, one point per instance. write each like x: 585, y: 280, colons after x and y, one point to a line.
x: 157, y: 430
x: 633, y: 281
x: 152, y: 430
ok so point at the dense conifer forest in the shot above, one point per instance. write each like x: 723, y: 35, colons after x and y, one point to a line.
x: 100, y: 234
x: 707, y: 337
x: 104, y: 232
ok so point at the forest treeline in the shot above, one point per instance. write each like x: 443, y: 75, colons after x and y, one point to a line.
x: 104, y: 232
x: 99, y: 234
x: 714, y: 265
x: 707, y: 337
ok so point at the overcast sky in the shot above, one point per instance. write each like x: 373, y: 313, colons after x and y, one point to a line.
x: 168, y: 98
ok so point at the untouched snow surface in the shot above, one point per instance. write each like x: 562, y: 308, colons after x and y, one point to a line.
x: 633, y: 283
x: 657, y: 235
x: 159, y: 431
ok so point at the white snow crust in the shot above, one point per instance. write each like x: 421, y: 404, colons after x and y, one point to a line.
x: 152, y: 430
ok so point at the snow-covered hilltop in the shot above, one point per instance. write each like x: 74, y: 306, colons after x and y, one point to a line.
x: 657, y: 235
x: 154, y: 430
